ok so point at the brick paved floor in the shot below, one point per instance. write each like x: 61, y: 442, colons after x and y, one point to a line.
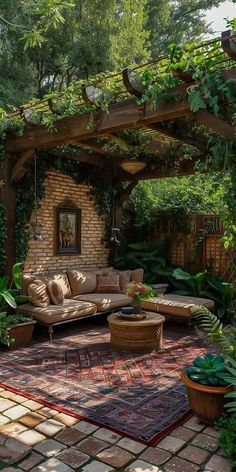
x: 38, y: 439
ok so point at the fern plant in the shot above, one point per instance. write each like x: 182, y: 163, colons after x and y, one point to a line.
x: 231, y: 380
x: 222, y: 337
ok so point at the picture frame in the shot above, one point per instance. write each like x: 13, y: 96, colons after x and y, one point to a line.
x: 67, y: 231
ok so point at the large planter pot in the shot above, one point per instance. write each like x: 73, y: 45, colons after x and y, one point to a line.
x: 207, y: 401
x: 22, y: 333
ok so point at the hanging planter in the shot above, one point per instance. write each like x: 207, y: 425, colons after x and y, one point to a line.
x: 132, y: 165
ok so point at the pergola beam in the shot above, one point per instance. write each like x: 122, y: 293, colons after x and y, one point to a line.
x: 72, y: 129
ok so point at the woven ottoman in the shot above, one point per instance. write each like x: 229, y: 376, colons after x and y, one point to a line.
x: 136, y: 336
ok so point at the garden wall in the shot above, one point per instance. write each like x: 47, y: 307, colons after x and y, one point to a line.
x: 61, y: 190
x: 199, y: 246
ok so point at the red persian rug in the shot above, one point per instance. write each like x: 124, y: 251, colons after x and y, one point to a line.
x: 139, y: 396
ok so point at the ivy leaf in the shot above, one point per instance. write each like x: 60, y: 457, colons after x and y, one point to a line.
x: 196, y: 101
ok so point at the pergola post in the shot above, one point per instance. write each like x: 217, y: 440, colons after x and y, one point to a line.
x: 8, y: 199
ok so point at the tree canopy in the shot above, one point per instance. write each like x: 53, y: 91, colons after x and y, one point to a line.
x: 45, y: 44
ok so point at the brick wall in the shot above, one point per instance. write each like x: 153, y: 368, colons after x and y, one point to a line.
x: 58, y: 189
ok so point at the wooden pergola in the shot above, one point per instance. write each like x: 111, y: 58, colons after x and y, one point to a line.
x: 123, y: 115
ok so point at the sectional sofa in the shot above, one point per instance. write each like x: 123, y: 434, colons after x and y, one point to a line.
x: 91, y: 293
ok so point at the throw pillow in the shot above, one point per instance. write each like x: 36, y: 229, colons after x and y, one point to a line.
x: 55, y: 292
x: 125, y: 276
x: 108, y: 283
x: 137, y: 275
x: 82, y: 282
x: 38, y: 294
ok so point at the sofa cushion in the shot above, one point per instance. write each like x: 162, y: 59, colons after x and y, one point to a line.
x: 125, y: 276
x: 82, y: 282
x: 108, y: 283
x: 59, y: 277
x: 38, y: 294
x: 173, y: 304
x: 105, y: 301
x: 55, y: 313
x: 55, y: 292
x: 27, y: 279
x: 137, y: 275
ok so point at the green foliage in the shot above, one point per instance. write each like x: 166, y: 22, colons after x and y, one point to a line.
x: 138, y: 291
x: 227, y: 438
x: 81, y: 173
x: 206, y: 286
x: 208, y: 370
x: 3, y: 236
x: 6, y: 322
x: 153, y: 202
x: 151, y: 256
x: 9, y: 290
x: 230, y: 377
x: 222, y: 337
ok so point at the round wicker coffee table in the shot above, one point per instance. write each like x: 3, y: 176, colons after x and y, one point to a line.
x: 136, y: 336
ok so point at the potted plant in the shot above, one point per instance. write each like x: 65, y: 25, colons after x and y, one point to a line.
x: 15, y: 330
x: 206, y: 386
x: 138, y: 292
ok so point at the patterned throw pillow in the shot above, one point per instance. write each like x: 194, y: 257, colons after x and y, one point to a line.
x: 38, y: 294
x: 108, y: 283
x: 55, y: 292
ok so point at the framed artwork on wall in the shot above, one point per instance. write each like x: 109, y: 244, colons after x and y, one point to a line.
x: 67, y: 231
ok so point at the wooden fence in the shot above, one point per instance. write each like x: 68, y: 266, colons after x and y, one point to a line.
x: 199, y: 246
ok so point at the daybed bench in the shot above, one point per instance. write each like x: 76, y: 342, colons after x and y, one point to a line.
x: 92, y: 293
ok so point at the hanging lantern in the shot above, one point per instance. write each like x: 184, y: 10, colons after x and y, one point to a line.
x: 132, y: 165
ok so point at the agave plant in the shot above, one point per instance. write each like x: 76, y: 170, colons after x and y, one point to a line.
x: 208, y: 370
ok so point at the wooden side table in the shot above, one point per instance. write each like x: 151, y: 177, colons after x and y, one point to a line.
x: 136, y: 336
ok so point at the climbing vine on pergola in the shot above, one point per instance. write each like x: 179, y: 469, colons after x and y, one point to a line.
x: 176, y: 114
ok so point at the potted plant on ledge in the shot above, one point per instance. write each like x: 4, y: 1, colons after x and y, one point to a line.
x: 15, y: 330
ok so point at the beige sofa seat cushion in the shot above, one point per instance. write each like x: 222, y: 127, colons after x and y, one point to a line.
x: 55, y: 313
x: 82, y: 282
x: 105, y: 301
x: 173, y: 304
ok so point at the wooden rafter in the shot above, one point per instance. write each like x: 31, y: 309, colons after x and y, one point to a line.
x: 204, y: 117
x: 173, y: 134
x: 229, y: 45
x: 83, y: 156
x: 20, y: 167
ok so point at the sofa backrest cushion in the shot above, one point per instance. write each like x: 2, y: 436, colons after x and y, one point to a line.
x: 108, y: 283
x: 27, y: 279
x: 82, y: 282
x: 55, y: 292
x: 59, y: 277
x: 38, y: 294
x: 125, y: 276
x: 137, y: 275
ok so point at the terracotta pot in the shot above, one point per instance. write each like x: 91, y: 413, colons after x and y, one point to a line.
x: 22, y: 333
x: 207, y: 401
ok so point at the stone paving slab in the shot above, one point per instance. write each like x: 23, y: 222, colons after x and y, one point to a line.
x: 31, y: 461
x: 70, y: 436
x: 155, y: 455
x: 96, y: 466
x: 73, y: 457
x: 50, y: 427
x: 13, y: 451
x: 142, y: 467
x: 52, y: 465
x: 49, y: 448
x: 115, y: 456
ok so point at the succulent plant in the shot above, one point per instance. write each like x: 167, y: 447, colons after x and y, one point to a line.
x: 208, y: 370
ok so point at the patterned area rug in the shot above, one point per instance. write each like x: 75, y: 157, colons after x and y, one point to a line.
x: 139, y: 396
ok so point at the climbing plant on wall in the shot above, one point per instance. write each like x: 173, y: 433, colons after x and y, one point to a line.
x: 81, y: 173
